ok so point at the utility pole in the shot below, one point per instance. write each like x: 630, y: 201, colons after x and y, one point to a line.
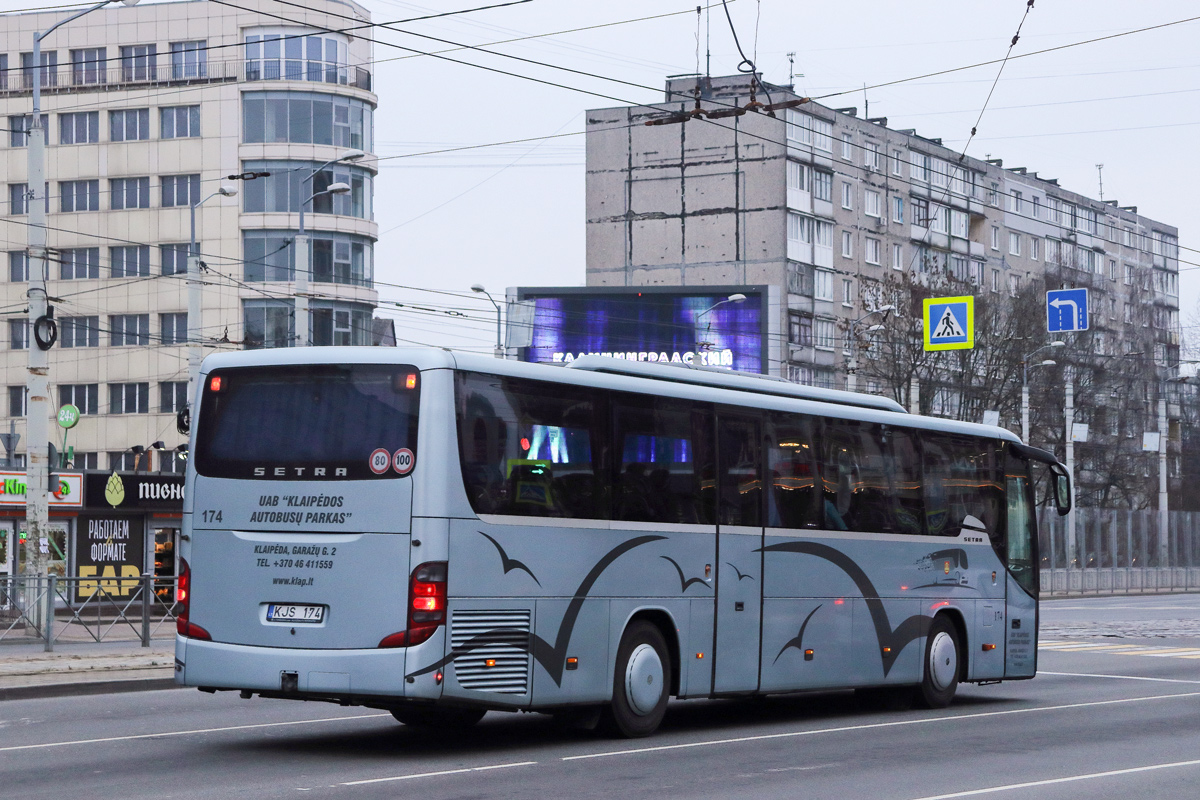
x: 1163, y: 537
x: 1069, y: 419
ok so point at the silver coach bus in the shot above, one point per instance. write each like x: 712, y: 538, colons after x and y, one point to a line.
x: 440, y: 535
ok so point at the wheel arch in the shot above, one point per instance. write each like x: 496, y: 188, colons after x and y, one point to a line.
x: 665, y: 622
x: 955, y: 617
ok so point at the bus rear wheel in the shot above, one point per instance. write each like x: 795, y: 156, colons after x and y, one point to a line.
x: 422, y: 716
x: 940, y: 678
x: 641, y: 683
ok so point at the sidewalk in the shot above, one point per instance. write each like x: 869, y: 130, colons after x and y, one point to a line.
x: 27, y: 671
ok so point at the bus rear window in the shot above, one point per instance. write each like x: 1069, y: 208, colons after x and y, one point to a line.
x: 309, y: 422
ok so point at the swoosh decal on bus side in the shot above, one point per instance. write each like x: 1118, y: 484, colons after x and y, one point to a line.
x: 798, y: 642
x: 553, y: 658
x: 896, y: 638
x: 684, y: 583
x: 509, y: 564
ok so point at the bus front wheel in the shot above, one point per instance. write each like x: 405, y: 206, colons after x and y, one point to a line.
x: 940, y: 679
x: 641, y: 683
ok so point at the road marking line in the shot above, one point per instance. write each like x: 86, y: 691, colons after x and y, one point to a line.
x: 1121, y: 677
x: 1192, y: 653
x: 186, y: 733
x: 1051, y: 781
x: 875, y: 725
x: 438, y: 774
x: 1073, y: 647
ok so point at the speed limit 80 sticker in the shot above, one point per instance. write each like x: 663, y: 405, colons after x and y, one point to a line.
x: 403, y: 461
x: 380, y: 460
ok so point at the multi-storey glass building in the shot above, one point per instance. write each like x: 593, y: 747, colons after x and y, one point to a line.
x: 148, y: 111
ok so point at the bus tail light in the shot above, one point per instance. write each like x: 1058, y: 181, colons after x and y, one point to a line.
x: 183, y: 624
x: 426, y: 605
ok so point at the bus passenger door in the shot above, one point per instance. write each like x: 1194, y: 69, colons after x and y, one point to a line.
x: 1021, y: 627
x: 739, y: 556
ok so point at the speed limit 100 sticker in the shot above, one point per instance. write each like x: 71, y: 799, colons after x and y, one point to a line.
x: 380, y: 460
x: 402, y: 461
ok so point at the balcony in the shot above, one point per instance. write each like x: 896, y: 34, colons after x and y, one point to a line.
x: 91, y: 77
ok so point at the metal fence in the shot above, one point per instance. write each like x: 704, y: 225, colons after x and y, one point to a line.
x: 55, y: 609
x: 1119, y: 552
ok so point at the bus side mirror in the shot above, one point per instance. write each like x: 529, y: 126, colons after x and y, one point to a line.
x: 1061, y: 484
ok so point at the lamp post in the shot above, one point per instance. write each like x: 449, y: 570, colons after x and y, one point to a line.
x: 852, y: 369
x: 303, y: 269
x: 1025, y: 386
x: 194, y: 327
x: 478, y: 289
x: 37, y: 384
x: 303, y: 335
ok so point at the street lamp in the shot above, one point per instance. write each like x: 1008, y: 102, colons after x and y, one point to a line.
x: 478, y: 289
x: 1025, y: 385
x: 194, y: 328
x: 735, y: 298
x: 37, y: 382
x: 852, y: 371
x: 301, y: 242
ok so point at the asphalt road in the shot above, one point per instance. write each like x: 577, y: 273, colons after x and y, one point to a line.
x: 1110, y: 715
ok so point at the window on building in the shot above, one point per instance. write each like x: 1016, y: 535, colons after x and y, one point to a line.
x: 18, y: 334
x: 283, y: 190
x: 800, y: 329
x: 129, y: 398
x: 920, y: 211
x: 189, y: 60
x: 84, y: 396
x: 977, y: 273
x: 958, y: 267
x: 174, y: 328
x: 898, y: 209
x: 268, y: 323
x: 799, y: 228
x: 129, y: 193
x: 995, y: 238
x: 824, y: 334
x: 129, y: 329
x: 19, y: 127
x: 897, y: 256
x: 871, y: 249
x: 995, y: 280
x: 1035, y: 246
x: 138, y: 62
x: 79, y: 332
x: 79, y: 195
x: 172, y: 396
x: 1014, y: 284
x: 179, y: 122
x: 1014, y: 243
x: 1037, y: 207
x: 341, y: 325
x: 1016, y: 206
x: 958, y: 223
x: 79, y: 263
x: 88, y: 65
x: 81, y: 127
x: 282, y: 55
x: 823, y: 186
x: 18, y: 266
x: 822, y: 284
x: 897, y: 162
x: 847, y: 195
x: 940, y: 218
x: 871, y: 155
x: 918, y: 166
x: 182, y: 190
x: 847, y: 292
x: 823, y: 234
x: 847, y: 146
x: 336, y: 257
x: 847, y: 244
x: 129, y: 125
x: 939, y: 173
x: 129, y: 261
x: 174, y: 258
x: 797, y: 176
x: 872, y: 203
x: 1129, y: 274
x: 49, y: 69
x: 17, y: 404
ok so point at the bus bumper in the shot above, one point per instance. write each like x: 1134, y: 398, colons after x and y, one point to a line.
x: 324, y: 673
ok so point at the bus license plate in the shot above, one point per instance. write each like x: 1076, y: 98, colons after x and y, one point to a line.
x: 292, y: 612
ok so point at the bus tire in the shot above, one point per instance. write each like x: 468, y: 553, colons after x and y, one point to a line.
x: 939, y: 679
x: 422, y: 716
x: 641, y: 683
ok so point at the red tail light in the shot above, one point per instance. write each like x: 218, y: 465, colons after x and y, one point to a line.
x: 183, y: 624
x: 426, y: 605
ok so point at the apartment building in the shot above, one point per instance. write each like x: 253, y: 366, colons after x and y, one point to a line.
x: 149, y: 111
x: 825, y: 204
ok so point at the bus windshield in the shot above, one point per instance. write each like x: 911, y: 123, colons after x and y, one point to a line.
x: 305, y: 422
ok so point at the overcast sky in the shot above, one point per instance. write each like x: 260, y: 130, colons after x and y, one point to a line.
x: 514, y: 214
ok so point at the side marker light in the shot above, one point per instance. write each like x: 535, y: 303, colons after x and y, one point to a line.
x: 988, y: 647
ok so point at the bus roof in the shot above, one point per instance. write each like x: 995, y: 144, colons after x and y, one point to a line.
x: 728, y: 379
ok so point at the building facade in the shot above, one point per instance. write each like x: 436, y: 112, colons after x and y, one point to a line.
x: 148, y: 111
x: 839, y: 212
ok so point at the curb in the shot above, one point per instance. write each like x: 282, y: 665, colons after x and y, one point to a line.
x: 49, y: 690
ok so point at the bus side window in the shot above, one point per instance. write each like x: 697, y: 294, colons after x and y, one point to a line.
x: 854, y: 474
x: 664, y: 460
x: 1018, y: 545
x: 904, y: 461
x: 791, y: 473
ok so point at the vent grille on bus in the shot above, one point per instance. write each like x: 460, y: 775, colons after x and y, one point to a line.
x: 507, y: 645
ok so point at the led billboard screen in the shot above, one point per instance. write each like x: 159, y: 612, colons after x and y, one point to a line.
x: 651, y: 324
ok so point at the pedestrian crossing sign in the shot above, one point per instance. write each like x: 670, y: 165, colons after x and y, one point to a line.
x: 949, y: 323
